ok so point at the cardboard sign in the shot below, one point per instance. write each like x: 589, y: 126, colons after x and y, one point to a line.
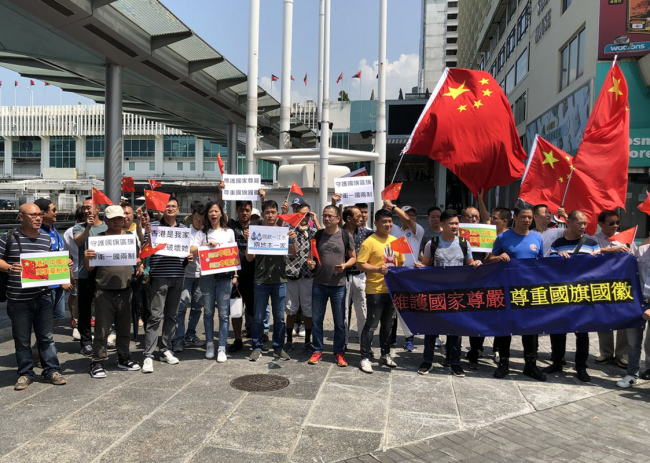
x: 113, y: 250
x: 177, y: 240
x: 45, y: 269
x: 219, y: 259
x: 479, y: 236
x: 241, y: 187
x: 355, y: 189
x: 268, y: 240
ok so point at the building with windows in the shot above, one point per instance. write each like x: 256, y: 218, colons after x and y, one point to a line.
x: 551, y: 58
x: 438, y: 41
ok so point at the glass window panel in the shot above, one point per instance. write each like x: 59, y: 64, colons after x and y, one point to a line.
x: 564, y: 72
x: 581, y: 52
x: 573, y: 60
x: 522, y: 66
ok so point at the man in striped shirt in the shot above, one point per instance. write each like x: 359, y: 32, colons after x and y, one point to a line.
x: 573, y: 242
x: 29, y: 307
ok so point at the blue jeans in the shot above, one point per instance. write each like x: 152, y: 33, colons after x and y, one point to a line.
x: 35, y: 313
x: 216, y: 289
x: 635, y: 339
x: 278, y: 294
x: 58, y: 303
x: 452, y: 348
x: 193, y: 297
x: 319, y: 296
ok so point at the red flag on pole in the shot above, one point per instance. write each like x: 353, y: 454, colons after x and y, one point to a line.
x: 357, y: 75
x: 100, y: 198
x: 401, y: 245
x: 15, y: 83
x: 31, y: 82
x: 467, y: 126
x: 156, y: 200
x: 391, y: 192
x: 626, y: 237
x: 154, y: 184
x: 293, y: 79
x: 292, y: 219
x: 645, y: 205
x: 547, y: 175
x: 0, y: 83
x: 47, y: 84
x: 274, y: 78
x: 295, y: 189
x: 147, y: 250
x: 314, y: 251
x: 338, y: 79
x: 305, y: 79
x: 128, y: 186
x: 220, y: 162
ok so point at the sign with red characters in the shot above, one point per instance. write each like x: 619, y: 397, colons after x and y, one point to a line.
x: 219, y: 259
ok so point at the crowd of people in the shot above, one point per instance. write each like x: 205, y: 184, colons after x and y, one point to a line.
x: 339, y: 261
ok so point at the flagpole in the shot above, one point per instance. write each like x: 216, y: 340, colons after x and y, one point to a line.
x: 567, y: 188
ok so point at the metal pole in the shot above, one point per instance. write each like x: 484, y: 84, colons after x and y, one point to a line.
x: 251, y: 105
x: 325, y: 127
x: 113, y: 145
x: 321, y: 52
x: 232, y: 160
x: 380, y: 137
x: 285, y: 98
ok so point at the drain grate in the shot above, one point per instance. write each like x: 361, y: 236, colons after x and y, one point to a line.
x: 259, y: 383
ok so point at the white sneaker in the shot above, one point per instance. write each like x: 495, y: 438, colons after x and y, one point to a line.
x: 221, y: 355
x: 147, y: 365
x: 76, y: 335
x: 301, y: 331
x: 366, y: 366
x: 387, y: 360
x: 209, y: 352
x: 626, y: 382
x: 169, y: 357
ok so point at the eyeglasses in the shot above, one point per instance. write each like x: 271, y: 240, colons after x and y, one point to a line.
x: 614, y: 222
x: 33, y: 215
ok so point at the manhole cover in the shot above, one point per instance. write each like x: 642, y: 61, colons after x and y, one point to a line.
x: 259, y: 383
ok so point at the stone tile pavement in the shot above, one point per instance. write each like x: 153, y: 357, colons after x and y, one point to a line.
x: 189, y: 412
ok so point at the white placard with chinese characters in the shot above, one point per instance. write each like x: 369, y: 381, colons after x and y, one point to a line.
x: 113, y: 250
x: 241, y: 187
x: 355, y: 189
x: 268, y: 240
x: 177, y: 240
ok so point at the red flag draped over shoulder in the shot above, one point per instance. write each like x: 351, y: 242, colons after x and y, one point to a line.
x: 467, y: 126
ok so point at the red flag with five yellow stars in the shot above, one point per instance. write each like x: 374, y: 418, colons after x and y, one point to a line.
x: 100, y: 198
x: 156, y: 200
x: 128, y: 185
x: 467, y: 126
x: 547, y: 174
x: 391, y: 192
x: 626, y: 237
x: 147, y: 250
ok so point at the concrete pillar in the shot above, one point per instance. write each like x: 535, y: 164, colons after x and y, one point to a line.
x: 198, y: 159
x: 441, y: 186
x: 251, y: 103
x: 113, y: 143
x: 380, y: 138
x: 285, y: 98
x: 45, y: 153
x: 80, y: 155
x: 159, y: 156
x: 9, y: 163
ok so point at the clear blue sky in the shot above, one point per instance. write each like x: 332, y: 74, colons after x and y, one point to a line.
x: 354, y: 31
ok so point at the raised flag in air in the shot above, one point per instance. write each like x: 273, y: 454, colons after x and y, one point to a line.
x: 293, y: 79
x: 154, y: 184
x: 357, y: 75
x: 147, y: 250
x: 220, y: 162
x: 292, y: 219
x: 128, y: 185
x: 314, y: 251
x: 547, y: 175
x: 467, y: 126
x: 305, y: 79
x: 156, y: 200
x: 625, y: 237
x: 391, y: 192
x: 100, y: 198
x: 274, y: 78
x: 338, y: 79
x: 645, y: 205
x: 401, y: 245
x: 296, y: 189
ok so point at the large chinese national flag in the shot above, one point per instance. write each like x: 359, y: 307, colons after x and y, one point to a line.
x: 546, y: 176
x: 467, y: 126
x: 156, y: 200
x: 603, y: 154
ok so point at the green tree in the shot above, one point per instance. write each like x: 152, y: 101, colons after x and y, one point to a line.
x: 343, y: 96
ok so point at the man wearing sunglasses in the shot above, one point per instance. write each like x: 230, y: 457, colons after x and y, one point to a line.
x: 610, y: 223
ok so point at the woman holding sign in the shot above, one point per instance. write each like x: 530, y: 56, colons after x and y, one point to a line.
x: 215, y: 287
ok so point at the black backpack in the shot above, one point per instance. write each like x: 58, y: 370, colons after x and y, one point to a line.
x: 4, y: 276
x: 435, y: 241
x: 346, y: 240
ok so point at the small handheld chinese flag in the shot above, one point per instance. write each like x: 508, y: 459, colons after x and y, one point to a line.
x: 401, y: 245
x: 156, y: 200
x: 626, y: 237
x: 100, y: 198
x: 292, y: 219
x: 128, y: 186
x: 154, y: 184
x: 147, y: 250
x: 645, y: 205
x: 220, y: 162
x: 391, y: 192
x: 295, y: 189
x: 314, y: 251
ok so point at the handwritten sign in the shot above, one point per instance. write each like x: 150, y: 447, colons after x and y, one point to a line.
x: 241, y: 187
x: 44, y: 269
x: 177, y: 240
x: 355, y: 189
x: 219, y: 259
x: 479, y: 236
x: 113, y: 250
x: 268, y: 240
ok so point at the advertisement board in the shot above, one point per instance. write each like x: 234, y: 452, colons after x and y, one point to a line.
x: 623, y: 18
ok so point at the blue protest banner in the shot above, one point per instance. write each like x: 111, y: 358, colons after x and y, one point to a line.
x: 524, y: 296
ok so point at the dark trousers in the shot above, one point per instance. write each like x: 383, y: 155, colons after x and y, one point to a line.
x: 452, y: 348
x: 528, y: 340
x: 85, y: 302
x: 558, y: 349
x: 380, y: 310
x: 24, y: 315
x: 112, y: 306
x: 247, y: 290
x: 475, y: 345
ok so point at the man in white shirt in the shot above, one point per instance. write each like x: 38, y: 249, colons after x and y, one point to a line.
x: 541, y: 220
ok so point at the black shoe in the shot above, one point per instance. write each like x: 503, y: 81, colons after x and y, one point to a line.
x: 97, y: 370
x: 128, y: 365
x: 235, y: 346
x: 457, y: 370
x: 553, y: 368
x: 533, y: 371
x: 583, y: 375
x: 288, y: 346
x: 424, y: 368
x: 504, y: 368
x: 87, y: 350
x: 309, y: 347
x: 645, y: 374
x: 265, y: 337
x: 246, y: 333
x: 265, y: 348
x: 472, y: 356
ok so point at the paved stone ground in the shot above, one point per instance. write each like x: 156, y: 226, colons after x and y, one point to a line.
x: 189, y: 412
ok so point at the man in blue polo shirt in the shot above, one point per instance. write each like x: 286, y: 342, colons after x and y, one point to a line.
x: 518, y: 243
